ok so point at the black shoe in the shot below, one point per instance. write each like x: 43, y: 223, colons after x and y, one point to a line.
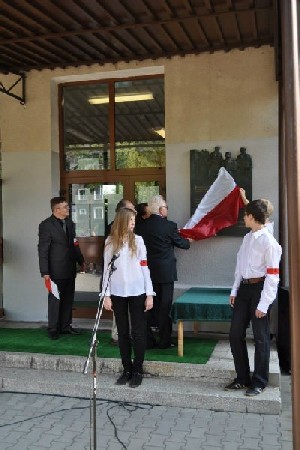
x: 154, y: 329
x: 71, y: 331
x: 151, y: 345
x: 114, y: 342
x: 124, y: 378
x: 164, y: 346
x: 285, y: 370
x: 235, y: 386
x: 136, y: 380
x: 253, y: 391
x: 53, y: 335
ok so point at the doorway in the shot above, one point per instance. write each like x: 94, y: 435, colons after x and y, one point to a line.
x: 92, y: 205
x: 112, y: 146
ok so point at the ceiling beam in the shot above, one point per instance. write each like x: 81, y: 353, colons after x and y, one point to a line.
x: 109, y: 29
x: 163, y: 54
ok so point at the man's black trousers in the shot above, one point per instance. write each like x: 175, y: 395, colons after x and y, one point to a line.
x: 161, y: 311
x: 60, y: 311
x: 246, y: 302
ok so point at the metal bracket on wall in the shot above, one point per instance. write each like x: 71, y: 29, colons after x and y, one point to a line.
x: 21, y: 79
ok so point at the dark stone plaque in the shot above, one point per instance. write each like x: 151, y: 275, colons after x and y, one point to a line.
x: 205, y: 166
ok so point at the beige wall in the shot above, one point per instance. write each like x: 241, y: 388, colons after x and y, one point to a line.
x: 208, y: 97
x: 217, y: 100
x: 27, y: 128
x: 223, y: 96
x: 227, y: 99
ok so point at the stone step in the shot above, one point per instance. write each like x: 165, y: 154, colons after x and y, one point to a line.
x: 170, y: 384
x: 219, y: 367
x: 168, y: 391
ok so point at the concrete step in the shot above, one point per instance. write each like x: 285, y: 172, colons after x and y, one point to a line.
x: 169, y: 391
x: 170, y: 384
x: 219, y: 367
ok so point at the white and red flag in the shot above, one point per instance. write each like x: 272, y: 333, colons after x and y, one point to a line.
x: 52, y: 288
x: 218, y: 209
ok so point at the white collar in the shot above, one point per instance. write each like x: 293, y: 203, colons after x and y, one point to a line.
x: 258, y: 233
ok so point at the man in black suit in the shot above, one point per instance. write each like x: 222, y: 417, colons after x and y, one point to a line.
x: 161, y: 236
x: 58, y: 253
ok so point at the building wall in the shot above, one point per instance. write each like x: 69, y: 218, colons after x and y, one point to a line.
x: 222, y: 103
x: 210, y: 100
x: 26, y: 190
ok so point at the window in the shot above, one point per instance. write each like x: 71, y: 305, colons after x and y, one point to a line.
x: 138, y: 142
x: 82, y: 194
x: 98, y: 213
x: 114, y: 125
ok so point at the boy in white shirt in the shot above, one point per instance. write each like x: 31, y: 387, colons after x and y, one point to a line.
x: 254, y: 290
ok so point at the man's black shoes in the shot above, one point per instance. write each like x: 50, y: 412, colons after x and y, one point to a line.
x: 235, y: 386
x: 250, y: 392
x: 165, y: 346
x: 151, y: 345
x: 253, y: 391
x: 136, y: 380
x: 71, y: 331
x: 53, y: 335
x: 124, y: 378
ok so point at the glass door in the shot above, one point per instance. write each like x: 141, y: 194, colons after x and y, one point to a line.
x: 92, y: 208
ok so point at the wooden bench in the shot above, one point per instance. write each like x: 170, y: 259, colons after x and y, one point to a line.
x: 200, y: 304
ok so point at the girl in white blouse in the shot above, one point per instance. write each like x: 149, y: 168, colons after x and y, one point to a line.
x: 129, y: 291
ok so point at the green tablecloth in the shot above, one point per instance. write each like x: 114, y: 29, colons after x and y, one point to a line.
x: 207, y: 304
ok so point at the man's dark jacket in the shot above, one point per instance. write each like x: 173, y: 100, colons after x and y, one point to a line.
x: 161, y: 236
x: 58, y: 251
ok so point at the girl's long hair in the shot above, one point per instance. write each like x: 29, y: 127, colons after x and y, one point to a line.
x: 119, y: 232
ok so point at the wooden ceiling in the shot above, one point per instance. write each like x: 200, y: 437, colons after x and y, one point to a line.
x: 40, y: 34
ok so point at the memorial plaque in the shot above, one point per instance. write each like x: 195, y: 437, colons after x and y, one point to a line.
x: 204, y: 168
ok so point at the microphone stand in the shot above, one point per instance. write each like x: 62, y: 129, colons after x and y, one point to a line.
x: 93, y: 351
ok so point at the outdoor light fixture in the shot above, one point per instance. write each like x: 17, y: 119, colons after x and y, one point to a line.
x: 160, y: 131
x: 119, y: 98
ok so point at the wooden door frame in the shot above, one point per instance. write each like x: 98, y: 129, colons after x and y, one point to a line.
x: 127, y: 180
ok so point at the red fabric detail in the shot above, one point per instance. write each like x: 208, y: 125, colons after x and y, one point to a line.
x: 48, y: 284
x: 272, y: 271
x: 223, y: 215
x: 76, y: 243
x: 143, y: 262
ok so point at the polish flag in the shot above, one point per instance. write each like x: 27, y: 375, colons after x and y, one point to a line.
x: 218, y: 209
x: 52, y: 288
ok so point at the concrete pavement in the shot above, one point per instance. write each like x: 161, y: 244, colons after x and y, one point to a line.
x: 35, y: 421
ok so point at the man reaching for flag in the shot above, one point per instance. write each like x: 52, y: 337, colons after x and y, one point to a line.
x: 256, y: 275
x: 254, y: 290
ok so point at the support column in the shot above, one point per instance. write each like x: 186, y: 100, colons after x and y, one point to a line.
x: 290, y: 70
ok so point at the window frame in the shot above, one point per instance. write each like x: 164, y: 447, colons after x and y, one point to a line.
x: 103, y: 174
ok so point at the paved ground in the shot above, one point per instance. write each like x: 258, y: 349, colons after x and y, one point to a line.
x: 34, y: 421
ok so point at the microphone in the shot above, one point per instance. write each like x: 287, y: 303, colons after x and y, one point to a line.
x: 112, y: 261
x: 114, y: 257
